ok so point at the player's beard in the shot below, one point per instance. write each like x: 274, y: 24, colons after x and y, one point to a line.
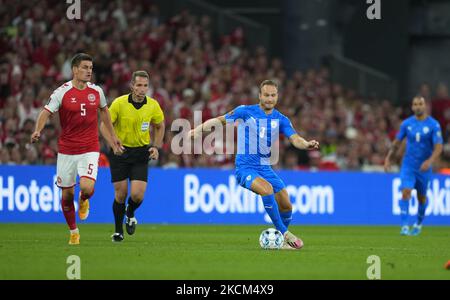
x: 269, y: 106
x: 419, y: 114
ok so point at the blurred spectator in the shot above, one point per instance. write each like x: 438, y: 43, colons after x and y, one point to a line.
x: 31, y: 156
x: 49, y: 156
x: 26, y: 109
x: 314, y: 160
x: 172, y: 162
x: 183, y: 109
x: 290, y: 161
x: 425, y: 91
x: 4, y: 156
x: 440, y: 107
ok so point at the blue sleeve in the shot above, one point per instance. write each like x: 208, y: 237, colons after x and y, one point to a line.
x: 236, y: 114
x: 286, y: 127
x: 402, y: 133
x: 437, y: 134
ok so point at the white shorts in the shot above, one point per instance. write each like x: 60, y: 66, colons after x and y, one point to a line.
x: 68, y: 166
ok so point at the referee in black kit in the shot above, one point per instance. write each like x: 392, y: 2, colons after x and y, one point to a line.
x: 132, y: 115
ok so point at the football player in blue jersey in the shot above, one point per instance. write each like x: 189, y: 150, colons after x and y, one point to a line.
x: 423, y: 146
x: 258, y: 129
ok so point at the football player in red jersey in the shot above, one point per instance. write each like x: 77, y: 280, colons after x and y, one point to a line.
x: 77, y: 102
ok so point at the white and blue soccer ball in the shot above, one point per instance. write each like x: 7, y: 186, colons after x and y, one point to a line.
x: 271, y: 239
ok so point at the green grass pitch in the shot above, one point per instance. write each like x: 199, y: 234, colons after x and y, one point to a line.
x: 39, y: 251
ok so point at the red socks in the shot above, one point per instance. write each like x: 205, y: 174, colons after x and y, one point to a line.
x: 68, y: 209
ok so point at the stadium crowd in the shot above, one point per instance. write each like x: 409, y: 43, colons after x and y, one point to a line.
x: 191, y: 70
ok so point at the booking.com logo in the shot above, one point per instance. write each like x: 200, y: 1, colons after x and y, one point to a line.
x: 262, y: 136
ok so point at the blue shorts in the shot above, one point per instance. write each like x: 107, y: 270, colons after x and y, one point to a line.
x: 246, y: 174
x: 415, y: 179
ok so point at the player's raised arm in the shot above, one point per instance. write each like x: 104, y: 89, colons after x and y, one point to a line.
x: 300, y: 143
x: 296, y: 140
x: 207, y: 126
x: 239, y: 113
x: 40, y: 123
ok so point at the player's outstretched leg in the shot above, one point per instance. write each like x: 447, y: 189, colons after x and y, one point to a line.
x: 68, y: 209
x: 404, y: 211
x: 265, y: 189
x: 423, y: 203
x: 285, y: 208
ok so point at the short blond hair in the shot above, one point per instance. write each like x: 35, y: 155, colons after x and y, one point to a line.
x: 268, y: 82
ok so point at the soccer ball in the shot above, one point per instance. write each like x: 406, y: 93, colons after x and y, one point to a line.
x: 271, y: 239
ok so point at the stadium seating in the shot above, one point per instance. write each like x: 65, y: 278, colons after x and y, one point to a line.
x: 190, y: 70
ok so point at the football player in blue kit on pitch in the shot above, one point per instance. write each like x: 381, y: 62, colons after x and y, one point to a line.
x: 258, y: 128
x: 423, y: 146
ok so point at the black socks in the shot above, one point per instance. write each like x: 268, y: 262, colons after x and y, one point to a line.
x: 119, y: 213
x: 132, y: 206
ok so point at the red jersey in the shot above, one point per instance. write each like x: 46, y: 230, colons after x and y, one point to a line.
x: 78, y: 116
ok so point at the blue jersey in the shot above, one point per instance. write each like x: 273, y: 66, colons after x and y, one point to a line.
x: 256, y: 133
x: 421, y: 137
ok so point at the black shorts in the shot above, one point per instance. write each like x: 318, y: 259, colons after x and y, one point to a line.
x: 132, y: 164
